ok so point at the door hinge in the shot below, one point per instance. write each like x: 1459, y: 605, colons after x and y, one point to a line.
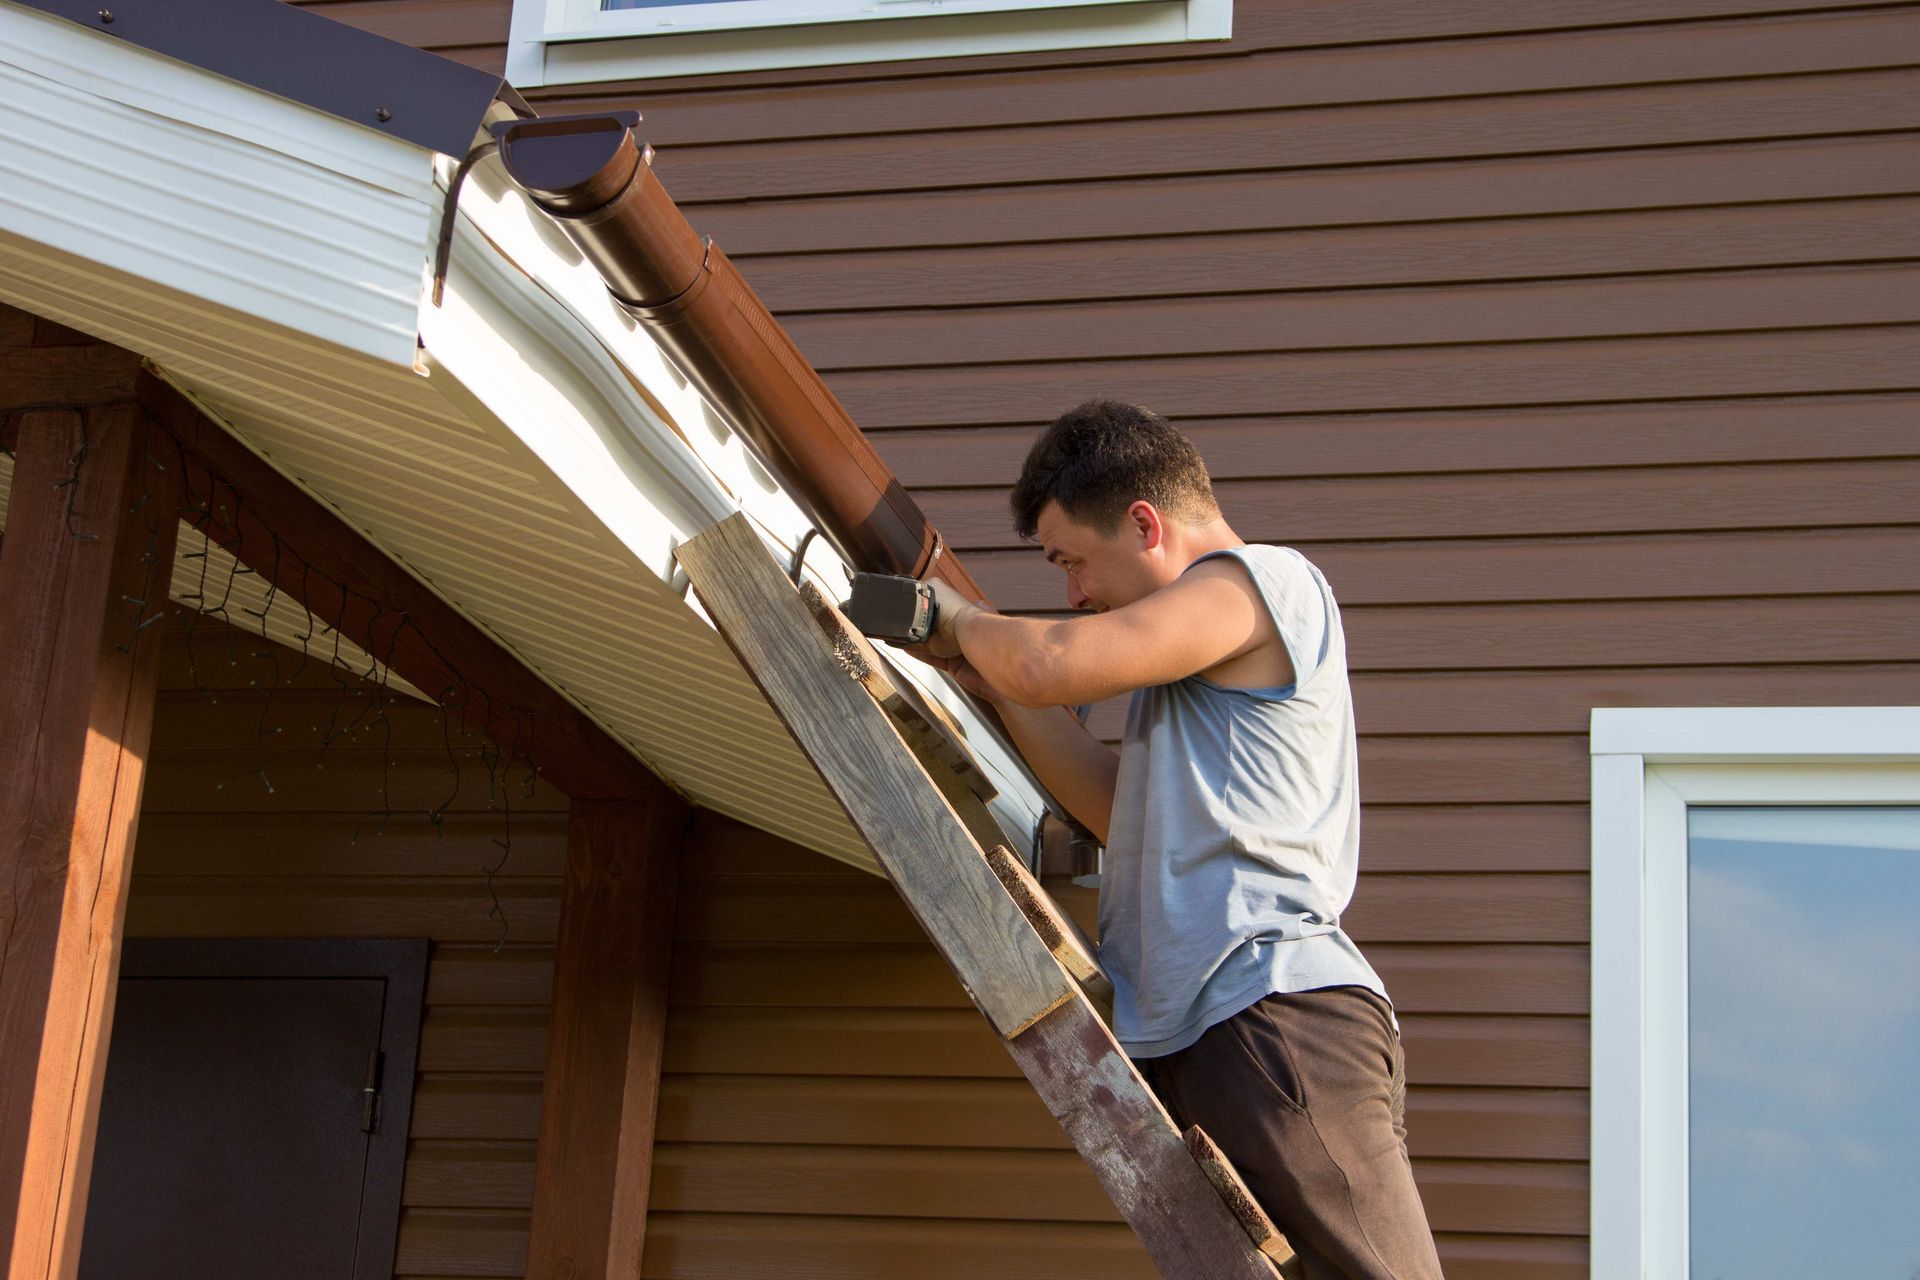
x: 370, y: 1094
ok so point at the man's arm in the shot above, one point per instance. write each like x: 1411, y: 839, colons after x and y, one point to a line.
x: 1209, y: 616
x: 1075, y: 767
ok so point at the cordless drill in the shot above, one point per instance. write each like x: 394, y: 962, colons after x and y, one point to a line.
x: 896, y: 609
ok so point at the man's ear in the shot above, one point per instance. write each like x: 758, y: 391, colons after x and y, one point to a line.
x: 1145, y: 519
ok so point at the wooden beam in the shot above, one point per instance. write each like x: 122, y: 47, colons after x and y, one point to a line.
x: 65, y: 375
x: 913, y: 831
x: 602, y: 1086
x: 426, y: 641
x: 90, y: 526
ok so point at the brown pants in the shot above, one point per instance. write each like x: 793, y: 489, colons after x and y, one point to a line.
x: 1306, y: 1094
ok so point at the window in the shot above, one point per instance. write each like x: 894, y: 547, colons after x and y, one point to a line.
x: 576, y: 41
x: 1756, y: 992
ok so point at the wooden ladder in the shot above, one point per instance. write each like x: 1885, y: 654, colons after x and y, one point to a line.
x: 897, y: 766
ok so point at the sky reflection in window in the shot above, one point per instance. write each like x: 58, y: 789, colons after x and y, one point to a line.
x: 1804, y: 1042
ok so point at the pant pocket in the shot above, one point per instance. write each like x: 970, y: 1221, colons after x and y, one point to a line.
x: 1258, y: 1039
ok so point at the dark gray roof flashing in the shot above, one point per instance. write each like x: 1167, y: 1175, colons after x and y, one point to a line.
x: 387, y: 86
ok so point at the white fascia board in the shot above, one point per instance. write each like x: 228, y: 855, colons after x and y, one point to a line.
x: 529, y: 330
x: 218, y: 190
x: 1674, y: 735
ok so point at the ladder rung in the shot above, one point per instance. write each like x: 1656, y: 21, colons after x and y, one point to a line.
x: 1259, y: 1227
x: 1061, y: 935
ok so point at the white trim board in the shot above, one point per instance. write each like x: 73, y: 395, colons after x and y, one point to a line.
x: 1648, y: 766
x: 551, y: 43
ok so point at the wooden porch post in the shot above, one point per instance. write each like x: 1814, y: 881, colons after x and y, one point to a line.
x: 90, y: 530
x: 594, y: 1159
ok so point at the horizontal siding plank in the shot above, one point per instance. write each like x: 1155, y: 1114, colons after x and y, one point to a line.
x: 1562, y: 701
x: 1442, y: 1123
x: 468, y: 1175
x: 1399, y: 907
x: 484, y: 1040
x: 1539, y: 437
x: 1398, y: 838
x: 708, y: 1246
x: 300, y: 719
x: 1877, y: 629
x: 1576, y: 370
x: 719, y: 1246
x: 484, y: 973
x: 419, y: 780
x: 1651, y: 178
x: 461, y: 1242
x: 1787, y: 495
x: 476, y: 1106
x: 961, y: 1183
x: 1489, y: 1051
x: 1267, y: 80
x: 1759, y: 108
x: 1638, y: 567
x: 1492, y: 1052
x: 266, y: 843
x: 1464, y: 837
x: 344, y: 907
x: 1504, y: 1196
x: 1421, y: 977
x: 1687, y: 240
x: 1160, y: 328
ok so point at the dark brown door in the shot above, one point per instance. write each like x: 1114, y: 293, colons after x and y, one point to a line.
x: 242, y: 1119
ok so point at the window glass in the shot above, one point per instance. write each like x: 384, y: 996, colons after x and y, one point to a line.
x: 1803, y: 997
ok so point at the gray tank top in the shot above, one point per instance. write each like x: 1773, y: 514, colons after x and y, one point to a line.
x: 1235, y: 837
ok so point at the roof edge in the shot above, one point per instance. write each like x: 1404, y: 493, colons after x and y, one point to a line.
x: 386, y: 86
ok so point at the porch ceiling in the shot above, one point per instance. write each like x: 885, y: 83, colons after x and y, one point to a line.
x: 523, y: 450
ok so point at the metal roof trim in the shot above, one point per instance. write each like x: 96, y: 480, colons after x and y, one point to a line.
x: 381, y: 84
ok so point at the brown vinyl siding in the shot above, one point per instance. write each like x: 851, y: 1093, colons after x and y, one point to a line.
x: 1575, y: 341
x: 831, y: 1099
x: 218, y: 855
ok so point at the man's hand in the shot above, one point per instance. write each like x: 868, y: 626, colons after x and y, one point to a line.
x: 949, y: 605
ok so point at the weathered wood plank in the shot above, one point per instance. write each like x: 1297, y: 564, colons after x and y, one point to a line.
x: 933, y: 861
x: 924, y: 723
x: 604, y: 1043
x: 1259, y: 1227
x: 76, y: 711
x: 1057, y: 929
x: 1127, y: 1138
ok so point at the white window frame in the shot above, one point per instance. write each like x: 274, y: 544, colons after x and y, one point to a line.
x: 1648, y: 765
x: 574, y: 41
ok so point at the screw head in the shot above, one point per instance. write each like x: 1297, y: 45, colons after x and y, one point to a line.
x: 383, y: 115
x: 106, y: 15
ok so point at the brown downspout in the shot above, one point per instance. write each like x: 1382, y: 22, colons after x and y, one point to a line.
x: 596, y: 181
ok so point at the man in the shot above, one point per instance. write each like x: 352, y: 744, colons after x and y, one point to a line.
x: 1231, y: 819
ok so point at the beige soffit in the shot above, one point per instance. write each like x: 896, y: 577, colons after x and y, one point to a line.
x: 522, y: 449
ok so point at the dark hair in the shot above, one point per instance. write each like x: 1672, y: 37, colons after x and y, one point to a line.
x: 1101, y: 458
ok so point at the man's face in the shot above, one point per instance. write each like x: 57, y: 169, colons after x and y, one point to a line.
x: 1104, y: 570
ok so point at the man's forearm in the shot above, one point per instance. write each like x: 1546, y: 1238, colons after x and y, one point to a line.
x: 1078, y: 768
